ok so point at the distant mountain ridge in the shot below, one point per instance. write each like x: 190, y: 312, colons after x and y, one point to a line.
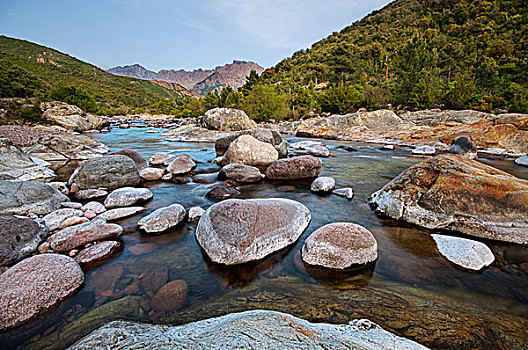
x: 199, y: 81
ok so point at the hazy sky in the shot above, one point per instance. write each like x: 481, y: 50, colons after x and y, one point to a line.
x: 174, y: 34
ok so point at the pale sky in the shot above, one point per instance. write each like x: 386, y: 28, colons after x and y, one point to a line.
x: 185, y: 34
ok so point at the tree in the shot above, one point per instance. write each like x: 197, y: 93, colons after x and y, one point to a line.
x: 74, y: 96
x: 460, y: 92
x: 265, y: 103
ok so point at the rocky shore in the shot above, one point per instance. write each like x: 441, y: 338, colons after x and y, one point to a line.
x: 56, y: 231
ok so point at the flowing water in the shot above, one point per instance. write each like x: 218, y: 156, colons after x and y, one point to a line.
x: 411, y: 290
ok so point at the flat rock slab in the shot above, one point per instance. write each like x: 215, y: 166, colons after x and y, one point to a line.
x: 19, y: 238
x: 323, y: 184
x: 455, y: 193
x: 90, y: 194
x: 120, y: 213
x: 77, y: 236
x: 467, y: 253
x: 97, y: 253
x: 239, y: 231
x: 127, y: 196
x: 315, y: 148
x: 340, y: 246
x: 162, y: 219
x: 303, y: 167
x: 22, y: 198
x: 257, y: 329
x: 241, y: 173
x: 109, y: 172
x: 36, y: 285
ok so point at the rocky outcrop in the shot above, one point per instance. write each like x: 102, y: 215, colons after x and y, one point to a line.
x: 249, y: 151
x: 227, y: 119
x: 71, y: 117
x: 323, y: 184
x: 239, y: 231
x: 435, y: 117
x: 19, y: 238
x: 340, y: 246
x: 455, y: 193
x: 465, y: 147
x: 36, y: 285
x: 127, y: 196
x: 15, y: 165
x: 264, y: 135
x: 162, y: 219
x: 109, y: 172
x: 302, y: 167
x: 64, y: 147
x: 241, y: 173
x: 247, y: 330
x: 469, y: 254
x: 22, y: 198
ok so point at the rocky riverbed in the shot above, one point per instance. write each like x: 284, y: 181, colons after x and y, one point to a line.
x: 126, y: 226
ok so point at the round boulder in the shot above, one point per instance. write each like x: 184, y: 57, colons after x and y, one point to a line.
x: 181, y: 164
x: 465, y: 147
x: 303, y: 167
x: 109, y: 172
x: 340, y: 246
x: 126, y: 196
x: 151, y: 174
x: 264, y: 135
x: 250, y: 151
x: 227, y: 119
x: 170, y: 297
x: 323, y: 184
x: 239, y: 231
x: 19, y: 238
x: 36, y: 285
x: 162, y: 219
x: 240, y: 173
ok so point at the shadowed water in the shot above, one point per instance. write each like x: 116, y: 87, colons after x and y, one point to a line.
x: 411, y: 289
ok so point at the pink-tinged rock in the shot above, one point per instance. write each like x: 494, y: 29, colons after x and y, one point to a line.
x: 35, y: 286
x: 160, y: 158
x: 72, y: 205
x: 151, y: 174
x: 74, y: 220
x: 119, y: 213
x: 162, y: 219
x: 95, y: 207
x: 54, y: 219
x: 104, y: 280
x: 45, y: 248
x: 127, y: 196
x: 170, y: 297
x: 303, y: 167
x: 340, y: 246
x: 90, y: 214
x: 61, y: 186
x: 155, y: 278
x: 181, y: 164
x: 90, y: 194
x: 138, y: 249
x: 77, y: 236
x: 97, y: 253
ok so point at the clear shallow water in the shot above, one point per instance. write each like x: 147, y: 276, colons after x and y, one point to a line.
x: 411, y: 289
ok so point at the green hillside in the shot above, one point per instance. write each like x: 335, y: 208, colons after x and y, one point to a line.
x: 31, y: 70
x: 440, y: 53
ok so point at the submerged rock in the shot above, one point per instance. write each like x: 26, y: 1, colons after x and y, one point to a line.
x: 467, y: 253
x: 239, y: 231
x: 109, y: 172
x: 162, y: 219
x: 22, y: 198
x: 170, y: 297
x: 247, y: 330
x: 19, y: 238
x: 323, y: 184
x: 465, y: 147
x: 302, y: 167
x: 455, y: 193
x: 126, y: 196
x: 227, y: 119
x: 340, y: 246
x: 249, y: 151
x: 36, y: 285
x: 241, y: 173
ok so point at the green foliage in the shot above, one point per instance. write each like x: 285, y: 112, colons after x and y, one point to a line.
x: 265, y: 103
x: 341, y: 100
x: 21, y: 112
x: 74, y: 96
x: 460, y: 92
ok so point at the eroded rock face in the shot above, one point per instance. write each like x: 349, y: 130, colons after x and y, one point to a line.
x: 126, y: 196
x: 19, y: 238
x: 340, y: 246
x: 267, y: 329
x: 36, y: 285
x: 227, y: 119
x: 162, y: 219
x: 65, y: 147
x: 22, y: 198
x: 15, y: 165
x: 303, y: 167
x: 455, y: 193
x: 239, y: 231
x: 249, y: 151
x: 467, y: 253
x: 465, y: 147
x: 241, y: 173
x: 264, y: 135
x: 109, y: 172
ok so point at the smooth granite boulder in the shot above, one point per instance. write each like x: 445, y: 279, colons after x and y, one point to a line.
x: 463, y: 252
x: 249, y: 151
x: 19, y: 237
x: 303, y: 167
x: 227, y: 119
x: 111, y: 172
x: 22, y: 198
x: 162, y: 219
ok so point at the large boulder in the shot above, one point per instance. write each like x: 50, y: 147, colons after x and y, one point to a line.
x: 455, y: 193
x: 264, y: 135
x: 22, y: 198
x: 249, y: 151
x: 339, y: 246
x: 240, y: 173
x: 36, y: 285
x: 109, y: 172
x: 15, y: 165
x: 71, y: 117
x: 141, y: 163
x: 19, y: 238
x: 162, y: 219
x: 227, y: 119
x: 254, y: 329
x: 239, y: 231
x: 66, y: 147
x: 302, y: 167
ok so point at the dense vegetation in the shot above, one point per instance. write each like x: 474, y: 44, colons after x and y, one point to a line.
x: 31, y: 70
x: 438, y: 53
